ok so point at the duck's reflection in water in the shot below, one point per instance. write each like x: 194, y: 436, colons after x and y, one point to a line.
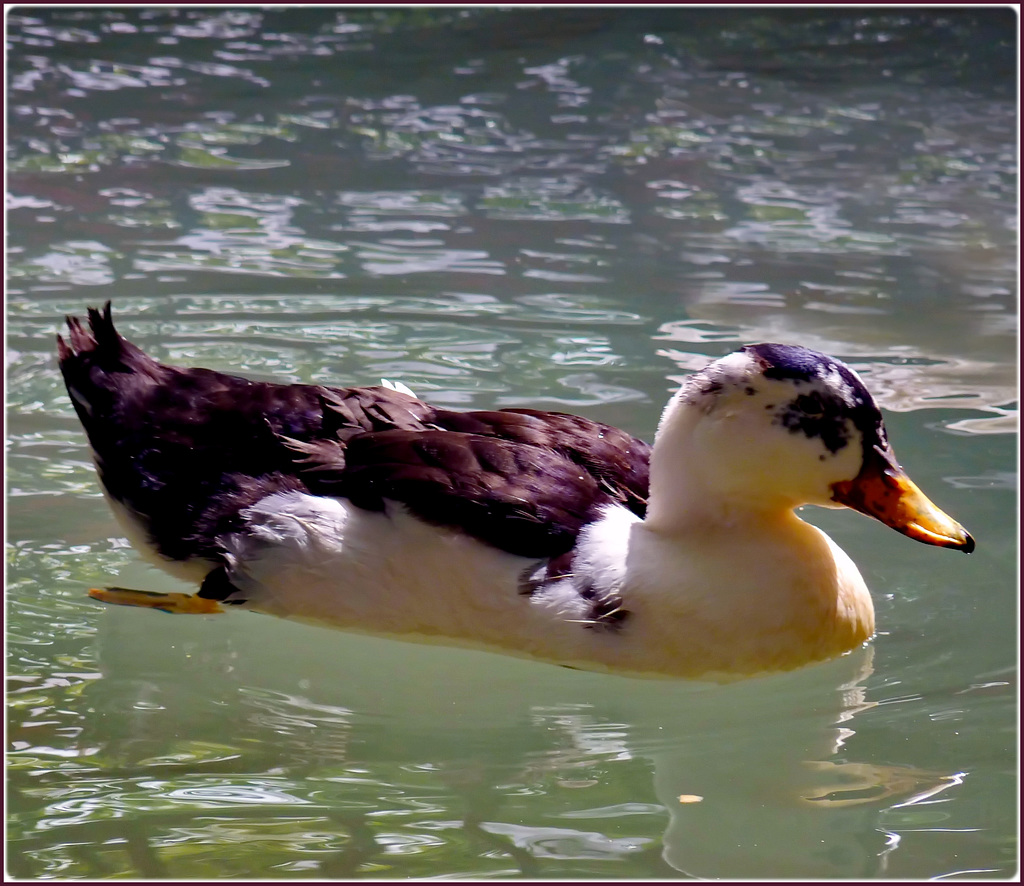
x: 541, y: 765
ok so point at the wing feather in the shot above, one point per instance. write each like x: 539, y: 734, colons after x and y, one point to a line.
x: 517, y: 497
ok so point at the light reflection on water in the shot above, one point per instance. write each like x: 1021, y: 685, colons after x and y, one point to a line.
x: 567, y: 209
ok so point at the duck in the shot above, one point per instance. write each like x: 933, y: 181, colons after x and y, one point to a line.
x: 519, y: 531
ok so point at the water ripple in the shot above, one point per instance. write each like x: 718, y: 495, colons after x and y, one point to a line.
x: 566, y: 208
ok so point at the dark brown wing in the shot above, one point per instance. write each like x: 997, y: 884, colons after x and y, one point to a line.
x: 617, y: 460
x: 187, y: 449
x: 520, y: 498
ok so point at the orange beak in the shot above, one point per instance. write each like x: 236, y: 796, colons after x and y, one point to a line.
x: 882, y: 490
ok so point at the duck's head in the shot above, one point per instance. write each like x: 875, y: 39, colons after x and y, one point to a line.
x: 776, y: 426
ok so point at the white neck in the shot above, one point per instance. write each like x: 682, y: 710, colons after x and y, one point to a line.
x: 678, y: 494
x: 700, y: 474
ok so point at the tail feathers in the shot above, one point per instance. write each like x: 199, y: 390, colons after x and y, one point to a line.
x: 101, y: 344
x: 83, y: 339
x: 80, y: 340
x: 101, y: 368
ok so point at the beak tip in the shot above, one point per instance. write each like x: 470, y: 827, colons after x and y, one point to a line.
x: 968, y: 546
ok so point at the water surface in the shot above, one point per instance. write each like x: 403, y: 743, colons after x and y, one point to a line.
x: 566, y: 209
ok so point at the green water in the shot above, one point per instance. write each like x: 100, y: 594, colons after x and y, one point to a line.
x: 569, y: 209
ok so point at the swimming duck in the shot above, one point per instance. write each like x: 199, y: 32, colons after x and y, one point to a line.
x: 520, y: 531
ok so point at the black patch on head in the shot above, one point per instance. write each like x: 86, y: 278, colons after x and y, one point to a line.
x: 815, y: 415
